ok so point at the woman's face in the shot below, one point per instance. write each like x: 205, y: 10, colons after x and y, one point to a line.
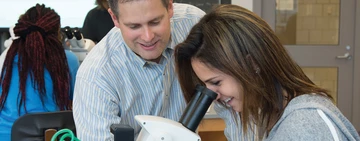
x: 229, y: 90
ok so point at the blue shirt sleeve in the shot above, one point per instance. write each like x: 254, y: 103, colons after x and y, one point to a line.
x: 74, y: 64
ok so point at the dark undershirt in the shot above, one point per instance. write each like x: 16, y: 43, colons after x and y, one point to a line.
x: 97, y: 24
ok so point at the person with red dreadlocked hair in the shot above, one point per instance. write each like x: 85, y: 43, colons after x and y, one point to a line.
x: 38, y: 74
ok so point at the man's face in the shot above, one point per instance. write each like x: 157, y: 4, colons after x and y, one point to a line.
x: 145, y: 26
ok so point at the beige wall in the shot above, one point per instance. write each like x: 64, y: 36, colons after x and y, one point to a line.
x: 310, y: 22
x: 317, y: 22
x: 244, y: 3
x: 324, y: 77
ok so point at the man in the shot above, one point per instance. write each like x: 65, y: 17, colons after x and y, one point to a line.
x: 131, y: 70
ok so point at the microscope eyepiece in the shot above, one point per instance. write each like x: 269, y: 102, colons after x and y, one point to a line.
x: 68, y: 32
x: 186, y: 116
x: 77, y: 33
x: 197, y: 107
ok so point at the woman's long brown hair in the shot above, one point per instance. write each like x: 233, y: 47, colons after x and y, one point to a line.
x: 235, y: 41
x: 38, y: 49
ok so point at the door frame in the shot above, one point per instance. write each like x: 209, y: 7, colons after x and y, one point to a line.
x: 356, y: 83
x: 355, y: 108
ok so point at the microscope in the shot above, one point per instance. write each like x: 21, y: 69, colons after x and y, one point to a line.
x: 156, y: 128
x: 78, y: 44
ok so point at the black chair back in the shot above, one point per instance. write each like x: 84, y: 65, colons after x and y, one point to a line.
x: 32, y: 127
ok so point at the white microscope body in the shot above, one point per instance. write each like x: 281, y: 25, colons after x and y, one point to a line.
x: 156, y: 128
x: 161, y: 129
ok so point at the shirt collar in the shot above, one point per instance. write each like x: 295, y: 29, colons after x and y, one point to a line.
x: 167, y: 53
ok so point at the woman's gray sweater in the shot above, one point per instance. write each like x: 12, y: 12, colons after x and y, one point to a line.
x: 302, y: 120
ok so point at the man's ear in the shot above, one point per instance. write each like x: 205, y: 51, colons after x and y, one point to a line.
x: 114, y: 18
x: 170, y: 8
x: 255, y: 66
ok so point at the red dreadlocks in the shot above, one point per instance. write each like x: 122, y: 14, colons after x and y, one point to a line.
x: 38, y: 49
